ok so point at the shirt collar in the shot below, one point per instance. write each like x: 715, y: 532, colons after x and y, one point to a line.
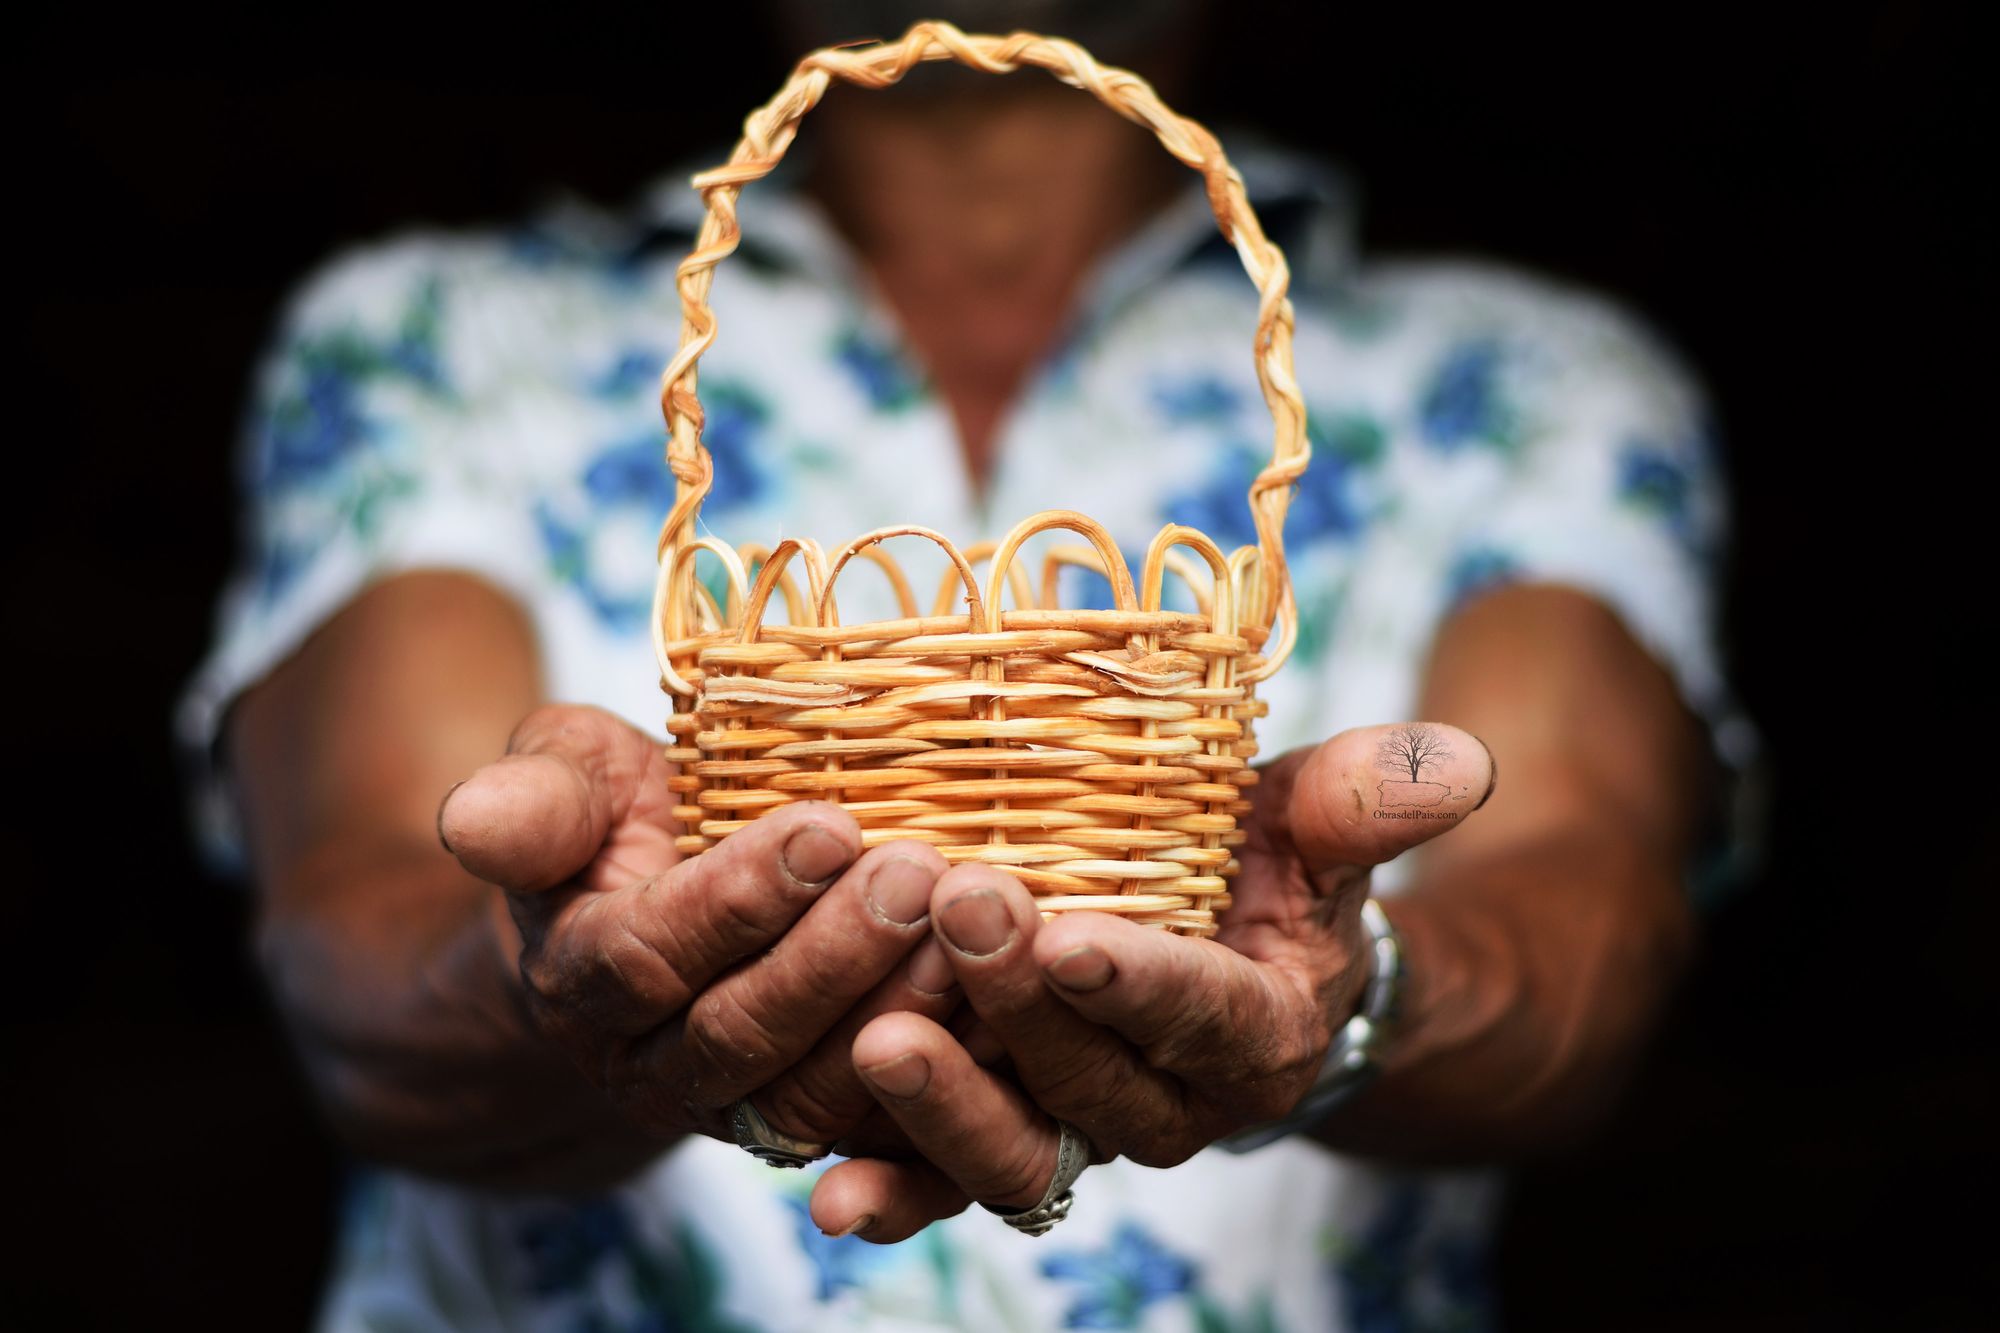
x: 1306, y: 205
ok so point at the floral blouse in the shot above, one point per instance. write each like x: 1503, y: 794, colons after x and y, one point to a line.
x: 487, y: 402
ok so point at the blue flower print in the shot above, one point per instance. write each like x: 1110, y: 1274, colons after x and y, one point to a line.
x: 1376, y: 1268
x: 636, y: 368
x: 1372, y: 1267
x: 840, y: 1262
x: 1082, y: 588
x: 733, y: 431
x: 579, y: 1251
x: 318, y: 420
x: 1200, y: 400
x: 317, y: 425
x: 1477, y: 569
x: 1328, y: 501
x: 1653, y: 481
x: 563, y: 1246
x: 569, y: 561
x: 537, y: 247
x: 635, y: 472
x: 281, y: 564
x: 1119, y: 1281
x: 1327, y: 504
x: 1353, y: 438
x: 632, y: 473
x: 1462, y: 403
x: 1219, y: 505
x: 883, y: 375
x: 632, y: 476
x: 413, y: 353
x: 310, y: 430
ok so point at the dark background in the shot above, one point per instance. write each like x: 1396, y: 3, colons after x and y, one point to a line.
x: 1800, y: 207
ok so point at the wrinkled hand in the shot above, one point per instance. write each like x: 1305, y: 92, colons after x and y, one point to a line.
x: 1154, y: 1045
x: 679, y: 986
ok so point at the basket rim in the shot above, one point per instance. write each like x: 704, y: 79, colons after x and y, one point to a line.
x: 686, y: 629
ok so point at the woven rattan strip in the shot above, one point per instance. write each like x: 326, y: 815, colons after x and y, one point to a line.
x: 1099, y: 755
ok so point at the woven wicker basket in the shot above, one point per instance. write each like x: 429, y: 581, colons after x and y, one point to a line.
x: 1100, y: 755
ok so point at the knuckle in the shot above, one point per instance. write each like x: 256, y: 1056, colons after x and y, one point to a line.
x: 810, y: 964
x: 1011, y: 996
x: 1181, y: 1031
x: 726, y: 1044
x: 1087, y: 1083
x: 809, y: 1105
x: 1298, y: 1056
x: 540, y: 721
x: 1020, y: 1173
x: 602, y: 969
x: 739, y: 915
x: 1169, y: 1145
x: 1167, y: 1131
x: 631, y: 983
x: 1270, y: 1099
x: 622, y: 963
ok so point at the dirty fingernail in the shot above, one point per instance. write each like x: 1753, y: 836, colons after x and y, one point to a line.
x: 977, y: 923
x: 904, y: 1077
x: 813, y: 855
x: 1083, y: 969
x: 900, y: 890
x: 930, y: 970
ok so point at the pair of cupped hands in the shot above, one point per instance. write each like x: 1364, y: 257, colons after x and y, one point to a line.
x: 920, y: 1018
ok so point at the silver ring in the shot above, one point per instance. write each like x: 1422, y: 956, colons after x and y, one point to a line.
x: 755, y: 1136
x: 1072, y: 1155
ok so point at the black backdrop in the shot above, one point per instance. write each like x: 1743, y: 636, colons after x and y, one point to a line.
x: 1796, y: 205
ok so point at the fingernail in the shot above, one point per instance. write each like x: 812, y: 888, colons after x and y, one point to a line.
x: 1493, y: 781
x: 861, y: 1223
x: 1083, y: 969
x: 930, y: 970
x: 900, y: 890
x: 978, y: 923
x: 443, y: 841
x: 904, y: 1077
x: 813, y: 855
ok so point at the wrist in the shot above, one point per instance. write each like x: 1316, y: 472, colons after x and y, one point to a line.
x: 1354, y: 1056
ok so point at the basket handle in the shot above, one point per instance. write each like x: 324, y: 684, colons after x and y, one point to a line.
x: 769, y: 131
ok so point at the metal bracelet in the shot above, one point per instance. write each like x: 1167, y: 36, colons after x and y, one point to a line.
x: 1354, y: 1058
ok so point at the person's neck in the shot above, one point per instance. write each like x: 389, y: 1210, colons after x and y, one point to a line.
x: 978, y: 219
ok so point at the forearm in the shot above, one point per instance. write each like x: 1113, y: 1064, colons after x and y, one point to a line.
x: 1533, y: 975
x: 395, y: 972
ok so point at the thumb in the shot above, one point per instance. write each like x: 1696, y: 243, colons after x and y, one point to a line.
x: 537, y: 816
x: 1370, y: 794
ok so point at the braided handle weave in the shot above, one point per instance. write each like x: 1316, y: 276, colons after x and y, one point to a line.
x: 769, y: 131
